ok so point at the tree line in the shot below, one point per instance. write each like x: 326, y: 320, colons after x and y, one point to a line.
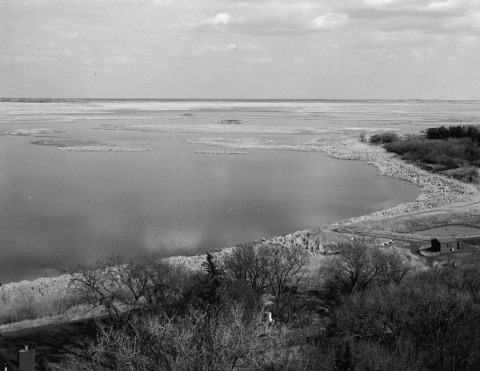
x: 471, y: 132
x: 453, y: 150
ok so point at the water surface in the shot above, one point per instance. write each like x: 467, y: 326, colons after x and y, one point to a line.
x: 60, y: 207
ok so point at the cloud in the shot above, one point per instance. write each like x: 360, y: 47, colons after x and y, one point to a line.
x: 280, y: 17
x: 286, y: 17
x: 317, y: 41
x: 329, y: 21
x: 428, y: 16
x: 443, y: 5
x: 230, y: 48
x: 438, y: 17
x: 219, y: 19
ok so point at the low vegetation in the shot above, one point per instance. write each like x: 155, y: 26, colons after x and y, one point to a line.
x: 165, y: 317
x: 30, y: 302
x: 383, y: 138
x: 454, y: 151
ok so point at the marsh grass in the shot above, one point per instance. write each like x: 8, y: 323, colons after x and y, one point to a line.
x: 29, y: 307
x: 31, y: 300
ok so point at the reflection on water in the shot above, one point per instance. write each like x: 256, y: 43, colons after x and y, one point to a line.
x: 61, y: 207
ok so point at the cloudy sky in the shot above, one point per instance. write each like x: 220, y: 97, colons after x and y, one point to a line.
x: 329, y: 49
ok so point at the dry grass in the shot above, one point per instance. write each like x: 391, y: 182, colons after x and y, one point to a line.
x: 30, y: 300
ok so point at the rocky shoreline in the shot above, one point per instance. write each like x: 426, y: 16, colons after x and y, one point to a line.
x: 436, y: 190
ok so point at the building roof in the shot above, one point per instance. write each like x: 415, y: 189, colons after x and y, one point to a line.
x: 6, y: 359
x: 444, y: 239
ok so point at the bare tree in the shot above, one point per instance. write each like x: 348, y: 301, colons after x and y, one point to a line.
x: 159, y: 342
x: 97, y: 284
x: 276, y: 269
x: 430, y: 321
x: 287, y: 267
x: 358, y: 267
x: 124, y: 287
x: 152, y: 282
x: 247, y: 265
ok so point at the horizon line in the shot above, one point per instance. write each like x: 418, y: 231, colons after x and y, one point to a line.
x: 54, y: 99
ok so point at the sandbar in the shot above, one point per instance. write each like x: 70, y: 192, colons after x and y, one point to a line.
x: 103, y: 149
x: 28, y: 132
x: 220, y: 153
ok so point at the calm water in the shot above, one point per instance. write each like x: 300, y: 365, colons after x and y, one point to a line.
x: 58, y: 207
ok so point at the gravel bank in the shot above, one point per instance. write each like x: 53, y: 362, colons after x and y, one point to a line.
x: 436, y: 190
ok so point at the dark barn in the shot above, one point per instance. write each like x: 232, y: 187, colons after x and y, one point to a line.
x: 444, y: 244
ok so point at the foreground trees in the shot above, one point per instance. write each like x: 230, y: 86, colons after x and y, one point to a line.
x: 429, y: 322
x: 382, y: 315
x: 123, y: 287
x: 358, y: 267
x: 145, y: 283
x: 216, y: 325
x: 270, y: 269
x: 195, y: 341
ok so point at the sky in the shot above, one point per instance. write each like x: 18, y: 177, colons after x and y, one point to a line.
x: 240, y: 49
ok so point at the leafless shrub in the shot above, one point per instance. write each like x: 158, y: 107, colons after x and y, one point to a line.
x: 124, y: 287
x: 270, y: 269
x: 358, y: 267
x: 192, y: 342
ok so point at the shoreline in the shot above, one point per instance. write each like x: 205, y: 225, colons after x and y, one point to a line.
x: 435, y: 192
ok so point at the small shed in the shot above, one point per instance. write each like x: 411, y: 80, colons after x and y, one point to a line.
x: 444, y: 244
